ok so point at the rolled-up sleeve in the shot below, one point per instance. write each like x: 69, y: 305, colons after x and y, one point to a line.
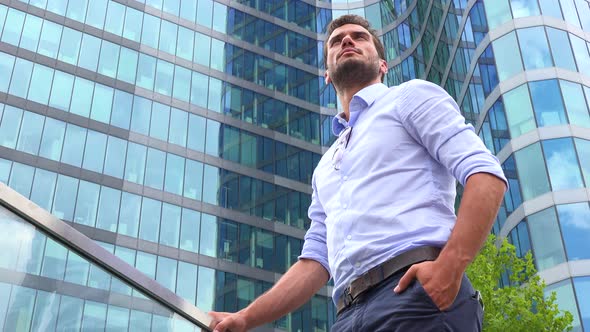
x: 433, y: 118
x: 315, y: 247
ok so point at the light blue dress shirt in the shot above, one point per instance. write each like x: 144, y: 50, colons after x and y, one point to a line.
x: 395, y: 187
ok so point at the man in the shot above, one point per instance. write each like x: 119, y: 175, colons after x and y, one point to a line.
x: 382, y: 212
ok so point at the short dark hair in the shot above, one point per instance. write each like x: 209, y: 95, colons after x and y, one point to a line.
x: 352, y: 19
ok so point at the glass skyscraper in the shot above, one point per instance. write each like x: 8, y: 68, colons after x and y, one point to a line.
x: 181, y: 136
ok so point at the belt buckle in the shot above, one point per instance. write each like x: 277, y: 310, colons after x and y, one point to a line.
x: 347, y: 297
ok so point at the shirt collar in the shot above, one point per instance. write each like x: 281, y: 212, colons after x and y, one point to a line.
x: 360, y: 101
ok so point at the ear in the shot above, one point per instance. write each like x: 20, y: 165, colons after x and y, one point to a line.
x: 327, y: 78
x: 383, y: 66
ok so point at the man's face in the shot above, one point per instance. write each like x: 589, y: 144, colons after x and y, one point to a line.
x: 352, y: 57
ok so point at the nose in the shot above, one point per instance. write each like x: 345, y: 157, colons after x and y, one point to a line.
x: 347, y: 40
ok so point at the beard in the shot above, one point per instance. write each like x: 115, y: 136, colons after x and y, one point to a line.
x: 354, y: 72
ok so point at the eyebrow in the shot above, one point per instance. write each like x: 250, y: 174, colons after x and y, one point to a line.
x: 354, y: 33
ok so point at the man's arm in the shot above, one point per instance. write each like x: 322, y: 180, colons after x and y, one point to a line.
x: 442, y: 278
x: 294, y: 288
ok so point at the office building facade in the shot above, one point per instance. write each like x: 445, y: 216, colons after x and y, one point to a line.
x: 181, y: 135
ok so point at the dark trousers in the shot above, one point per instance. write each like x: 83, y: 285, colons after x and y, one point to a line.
x: 380, y: 309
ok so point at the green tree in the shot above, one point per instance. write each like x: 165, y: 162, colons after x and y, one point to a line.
x: 520, y: 306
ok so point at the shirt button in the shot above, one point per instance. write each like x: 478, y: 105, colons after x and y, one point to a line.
x: 358, y: 265
x: 349, y: 237
x: 345, y: 178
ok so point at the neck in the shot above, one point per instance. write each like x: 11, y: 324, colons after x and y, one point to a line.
x: 345, y: 95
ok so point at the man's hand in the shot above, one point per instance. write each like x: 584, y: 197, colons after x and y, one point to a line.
x: 441, y: 281
x: 227, y: 322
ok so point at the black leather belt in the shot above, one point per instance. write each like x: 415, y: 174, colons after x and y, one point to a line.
x: 383, y: 271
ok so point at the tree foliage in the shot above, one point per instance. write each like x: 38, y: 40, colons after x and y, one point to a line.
x: 520, y: 306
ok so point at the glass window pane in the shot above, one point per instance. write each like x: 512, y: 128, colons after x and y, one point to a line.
x: 149, y: 226
x: 40, y: 84
x: 166, y: 272
x: 190, y: 227
x: 82, y: 97
x: 170, y: 230
x: 583, y: 148
x: 164, y: 76
x: 531, y: 170
x: 507, y: 56
x: 94, y: 154
x: 146, y: 71
x: 133, y: 24
x: 6, y: 66
x: 29, y: 137
x: 54, y: 260
x: 219, y: 17
x: 182, y: 83
x: 564, y: 170
x: 150, y: 31
x: 209, y: 235
x: 31, y: 33
x: 46, y: 309
x: 129, y: 214
x: 117, y: 318
x: 77, y: 269
x: 217, y: 54
x: 70, y: 46
x: 159, y: 122
x: 121, y: 112
x: 206, y: 288
x: 89, y: 52
x: 140, y: 118
x: 20, y: 309
x: 575, y: 226
x: 96, y: 13
x: 547, y: 103
x: 178, y: 121
x: 551, y: 8
x: 61, y: 90
x: 199, y: 89
x: 9, y: 128
x: 95, y: 315
x: 582, y: 285
x: 576, y: 106
x: 188, y: 9
x: 50, y: 39
x: 497, y: 12
x: 108, y: 208
x: 569, y: 12
x: 546, y: 239
x: 187, y: 281
x: 13, y: 26
x: 202, y: 42
x: 185, y: 48
x: 534, y: 48
x: 115, y: 18
x: 205, y: 12
x: 87, y: 203
x: 174, y: 174
x: 101, y: 103
x: 115, y: 153
x: 213, y: 136
x: 57, y: 6
x: 193, y: 179
x: 154, y: 173
x: 524, y: 8
x: 566, y: 300
x: 52, y: 140
x: 168, y: 32
x: 581, y: 53
x: 65, y: 197
x: 135, y: 164
x: 74, y: 145
x: 127, y: 65
x: 43, y: 188
x: 20, y: 87
x: 70, y: 313
x: 77, y: 10
x: 561, y: 49
x: 109, y: 55
x: 196, y: 133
